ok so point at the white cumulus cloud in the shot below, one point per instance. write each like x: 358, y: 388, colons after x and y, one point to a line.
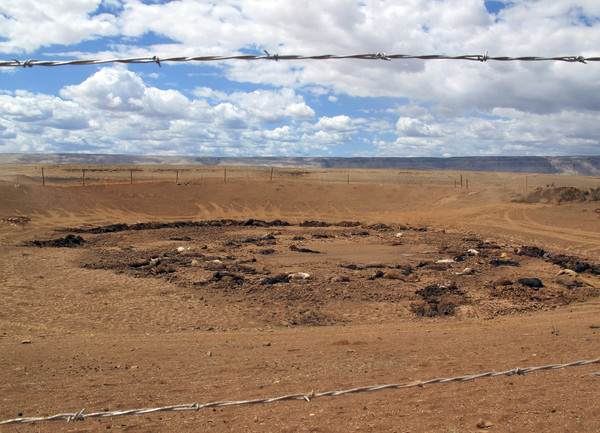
x: 30, y: 24
x: 443, y: 107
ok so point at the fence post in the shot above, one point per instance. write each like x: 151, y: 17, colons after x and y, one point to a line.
x: 467, y: 183
x: 176, y: 176
x: 271, y: 178
x: 225, y: 175
x: 43, y: 178
x: 461, y: 184
x: 130, y: 176
x: 83, y: 176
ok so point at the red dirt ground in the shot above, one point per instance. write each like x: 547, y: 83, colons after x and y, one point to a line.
x: 99, y: 326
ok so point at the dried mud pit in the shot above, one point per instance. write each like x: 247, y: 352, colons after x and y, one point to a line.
x: 108, y: 331
x: 318, y: 273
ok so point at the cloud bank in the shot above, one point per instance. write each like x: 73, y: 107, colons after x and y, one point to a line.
x: 303, y: 108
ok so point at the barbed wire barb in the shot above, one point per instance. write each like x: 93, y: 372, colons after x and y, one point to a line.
x: 376, y: 56
x: 307, y: 397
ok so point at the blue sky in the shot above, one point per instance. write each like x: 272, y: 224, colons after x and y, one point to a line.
x: 301, y: 108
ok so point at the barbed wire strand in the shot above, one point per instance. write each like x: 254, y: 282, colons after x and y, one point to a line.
x: 80, y: 416
x: 377, y: 56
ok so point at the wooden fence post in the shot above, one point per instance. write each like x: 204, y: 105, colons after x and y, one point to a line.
x: 43, y: 178
x: 83, y: 176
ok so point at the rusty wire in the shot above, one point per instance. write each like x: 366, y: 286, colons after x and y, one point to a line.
x: 377, y: 56
x: 81, y: 416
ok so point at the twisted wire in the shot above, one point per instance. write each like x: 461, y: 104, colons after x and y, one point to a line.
x: 80, y: 416
x: 277, y: 57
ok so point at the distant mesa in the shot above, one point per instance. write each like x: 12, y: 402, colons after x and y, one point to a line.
x: 570, y: 165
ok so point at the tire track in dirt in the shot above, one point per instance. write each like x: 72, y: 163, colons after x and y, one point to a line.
x: 519, y: 220
x: 212, y: 210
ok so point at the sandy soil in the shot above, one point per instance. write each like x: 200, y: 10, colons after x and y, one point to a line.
x: 102, y: 310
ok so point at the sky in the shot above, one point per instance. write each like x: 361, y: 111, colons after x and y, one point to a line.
x: 347, y: 108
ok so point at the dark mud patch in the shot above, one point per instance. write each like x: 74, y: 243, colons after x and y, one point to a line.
x: 112, y: 228
x: 440, y: 299
x: 230, y: 262
x: 564, y: 261
x: 69, y: 241
x: 543, y: 297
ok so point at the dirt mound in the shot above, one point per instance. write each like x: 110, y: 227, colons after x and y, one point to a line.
x: 559, y: 195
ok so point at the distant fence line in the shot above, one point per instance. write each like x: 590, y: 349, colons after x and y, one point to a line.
x: 87, y: 175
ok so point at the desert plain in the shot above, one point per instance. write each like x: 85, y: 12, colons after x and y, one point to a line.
x: 148, y: 294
